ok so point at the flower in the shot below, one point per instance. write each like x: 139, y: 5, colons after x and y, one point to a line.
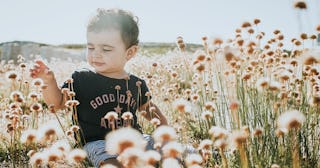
x: 205, y: 144
x: 37, y: 82
x: 257, y: 132
x: 53, y: 154
x: 36, y: 107
x: 172, y: 149
x: 76, y: 155
x: 13, y: 75
x: 127, y: 115
x: 37, y: 159
x: 193, y: 159
x: 182, y: 105
x: 61, y: 145
x: 237, y: 138
x: 151, y: 157
x: 262, y: 83
x: 218, y: 132
x: 155, y: 121
x: 164, y: 134
x: 123, y: 138
x: 132, y: 157
x: 29, y: 136
x: 49, y: 131
x: 221, y: 143
x: 34, y: 96
x: 74, y: 128
x: 300, y: 4
x: 206, y: 115
x: 170, y: 163
x: 111, y: 116
x: 16, y: 95
x: 291, y: 119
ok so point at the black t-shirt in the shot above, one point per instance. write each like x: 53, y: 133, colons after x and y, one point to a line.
x: 99, y: 95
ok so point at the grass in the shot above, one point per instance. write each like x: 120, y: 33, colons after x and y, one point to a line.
x: 237, y: 105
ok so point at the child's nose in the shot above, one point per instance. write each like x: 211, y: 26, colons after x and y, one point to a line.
x: 96, y: 53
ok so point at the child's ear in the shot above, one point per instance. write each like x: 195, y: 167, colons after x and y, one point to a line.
x: 131, y: 52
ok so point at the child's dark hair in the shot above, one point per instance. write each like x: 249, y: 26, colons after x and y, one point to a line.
x: 120, y: 19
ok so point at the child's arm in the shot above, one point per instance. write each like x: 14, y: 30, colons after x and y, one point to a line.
x: 153, y: 112
x: 52, y: 94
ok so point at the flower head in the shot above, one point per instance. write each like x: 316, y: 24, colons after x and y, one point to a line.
x: 193, y: 159
x: 291, y: 119
x: 123, y: 138
x: 76, y: 155
x: 164, y: 134
x: 172, y: 149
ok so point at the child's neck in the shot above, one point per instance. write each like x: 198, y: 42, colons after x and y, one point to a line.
x: 115, y: 75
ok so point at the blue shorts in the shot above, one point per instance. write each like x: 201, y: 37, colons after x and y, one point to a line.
x: 96, y: 150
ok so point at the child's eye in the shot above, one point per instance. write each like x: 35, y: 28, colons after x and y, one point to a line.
x: 106, y: 50
x: 90, y: 48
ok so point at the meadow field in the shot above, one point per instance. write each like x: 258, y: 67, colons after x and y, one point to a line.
x: 243, y: 102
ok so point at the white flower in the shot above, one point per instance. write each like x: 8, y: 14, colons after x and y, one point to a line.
x: 164, y: 134
x: 123, y: 138
x: 291, y: 119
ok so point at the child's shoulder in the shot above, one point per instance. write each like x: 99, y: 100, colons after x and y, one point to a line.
x: 82, y: 72
x: 136, y: 78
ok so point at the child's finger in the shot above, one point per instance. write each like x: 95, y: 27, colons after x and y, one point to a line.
x: 33, y: 74
x: 41, y: 64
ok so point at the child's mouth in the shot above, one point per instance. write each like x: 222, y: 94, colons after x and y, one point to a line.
x: 98, y: 63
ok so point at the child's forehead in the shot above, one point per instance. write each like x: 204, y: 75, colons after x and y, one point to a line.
x: 110, y: 37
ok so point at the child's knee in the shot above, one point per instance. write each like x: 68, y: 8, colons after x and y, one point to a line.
x: 112, y: 161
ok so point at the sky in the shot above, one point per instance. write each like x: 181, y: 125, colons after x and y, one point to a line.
x: 64, y: 21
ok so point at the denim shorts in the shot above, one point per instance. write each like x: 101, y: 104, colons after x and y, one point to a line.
x: 96, y: 150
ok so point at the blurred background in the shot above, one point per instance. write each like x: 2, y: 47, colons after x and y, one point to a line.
x: 64, y: 22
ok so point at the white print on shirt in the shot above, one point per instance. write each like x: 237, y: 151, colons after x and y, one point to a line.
x: 109, y: 98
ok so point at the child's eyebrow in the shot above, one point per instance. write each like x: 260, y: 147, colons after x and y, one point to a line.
x: 103, y: 45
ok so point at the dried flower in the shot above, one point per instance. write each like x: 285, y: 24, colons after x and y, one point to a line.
x: 111, y: 116
x: 238, y: 138
x: 132, y: 158
x: 62, y: 145
x: 300, y: 4
x: 127, y: 115
x: 37, y: 159
x: 291, y: 119
x: 164, y: 134
x: 257, y: 132
x: 205, y: 144
x: 193, y: 159
x: 182, y: 105
x: 246, y: 24
x: 123, y: 138
x: 170, y: 163
x: 206, y: 115
x: 172, y: 149
x: 151, y: 157
x: 36, y: 107
x: 256, y: 21
x: 218, y: 132
x: 155, y: 121
x: 28, y: 136
x: 12, y: 75
x: 76, y: 155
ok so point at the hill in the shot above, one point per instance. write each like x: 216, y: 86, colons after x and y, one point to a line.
x: 29, y: 50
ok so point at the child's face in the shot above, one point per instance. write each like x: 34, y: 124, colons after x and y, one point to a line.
x: 107, y: 53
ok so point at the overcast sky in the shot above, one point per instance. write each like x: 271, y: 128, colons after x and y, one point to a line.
x: 64, y: 21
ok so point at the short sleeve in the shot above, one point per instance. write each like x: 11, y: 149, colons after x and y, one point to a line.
x: 144, y: 91
x: 72, y: 82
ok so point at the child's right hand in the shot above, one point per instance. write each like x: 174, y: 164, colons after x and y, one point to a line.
x: 41, y: 70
